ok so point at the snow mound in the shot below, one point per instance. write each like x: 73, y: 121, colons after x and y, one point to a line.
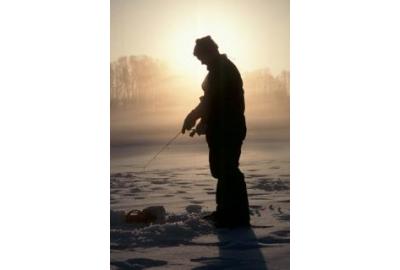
x: 178, y: 229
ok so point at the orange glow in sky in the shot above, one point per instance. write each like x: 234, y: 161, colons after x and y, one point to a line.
x: 254, y: 34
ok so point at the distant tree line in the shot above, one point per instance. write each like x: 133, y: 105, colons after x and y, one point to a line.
x: 261, y: 84
x: 141, y: 80
x: 133, y: 79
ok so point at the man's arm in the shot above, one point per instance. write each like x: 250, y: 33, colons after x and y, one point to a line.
x: 197, y: 113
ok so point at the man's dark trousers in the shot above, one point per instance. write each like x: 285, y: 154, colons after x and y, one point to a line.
x: 231, y: 196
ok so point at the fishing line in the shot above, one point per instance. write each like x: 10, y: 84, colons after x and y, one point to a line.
x: 162, y: 149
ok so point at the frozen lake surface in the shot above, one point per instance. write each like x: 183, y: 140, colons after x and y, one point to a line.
x: 180, y: 181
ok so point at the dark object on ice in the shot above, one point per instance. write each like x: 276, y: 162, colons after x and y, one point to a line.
x: 137, y: 216
x: 222, y: 120
x: 153, y: 214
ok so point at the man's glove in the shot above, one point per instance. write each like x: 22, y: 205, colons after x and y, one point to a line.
x: 189, y: 122
x: 200, y: 129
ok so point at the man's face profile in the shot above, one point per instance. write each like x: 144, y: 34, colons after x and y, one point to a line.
x: 203, y: 58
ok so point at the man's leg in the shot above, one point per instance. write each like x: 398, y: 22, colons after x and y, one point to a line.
x: 215, y: 169
x: 233, y: 205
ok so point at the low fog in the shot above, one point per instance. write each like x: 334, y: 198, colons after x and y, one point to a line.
x: 149, y: 103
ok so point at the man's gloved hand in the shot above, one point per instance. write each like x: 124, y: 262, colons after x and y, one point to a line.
x: 200, y: 129
x: 189, y: 122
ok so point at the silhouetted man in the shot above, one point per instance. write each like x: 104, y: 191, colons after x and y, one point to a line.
x: 221, y: 114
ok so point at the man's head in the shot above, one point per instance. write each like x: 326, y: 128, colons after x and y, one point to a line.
x: 206, y: 50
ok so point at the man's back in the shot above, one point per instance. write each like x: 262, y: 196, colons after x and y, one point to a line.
x: 223, y: 87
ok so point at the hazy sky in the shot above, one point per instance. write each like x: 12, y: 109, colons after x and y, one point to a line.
x: 254, y: 33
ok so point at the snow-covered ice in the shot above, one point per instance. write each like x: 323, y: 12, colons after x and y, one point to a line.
x: 179, y: 180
